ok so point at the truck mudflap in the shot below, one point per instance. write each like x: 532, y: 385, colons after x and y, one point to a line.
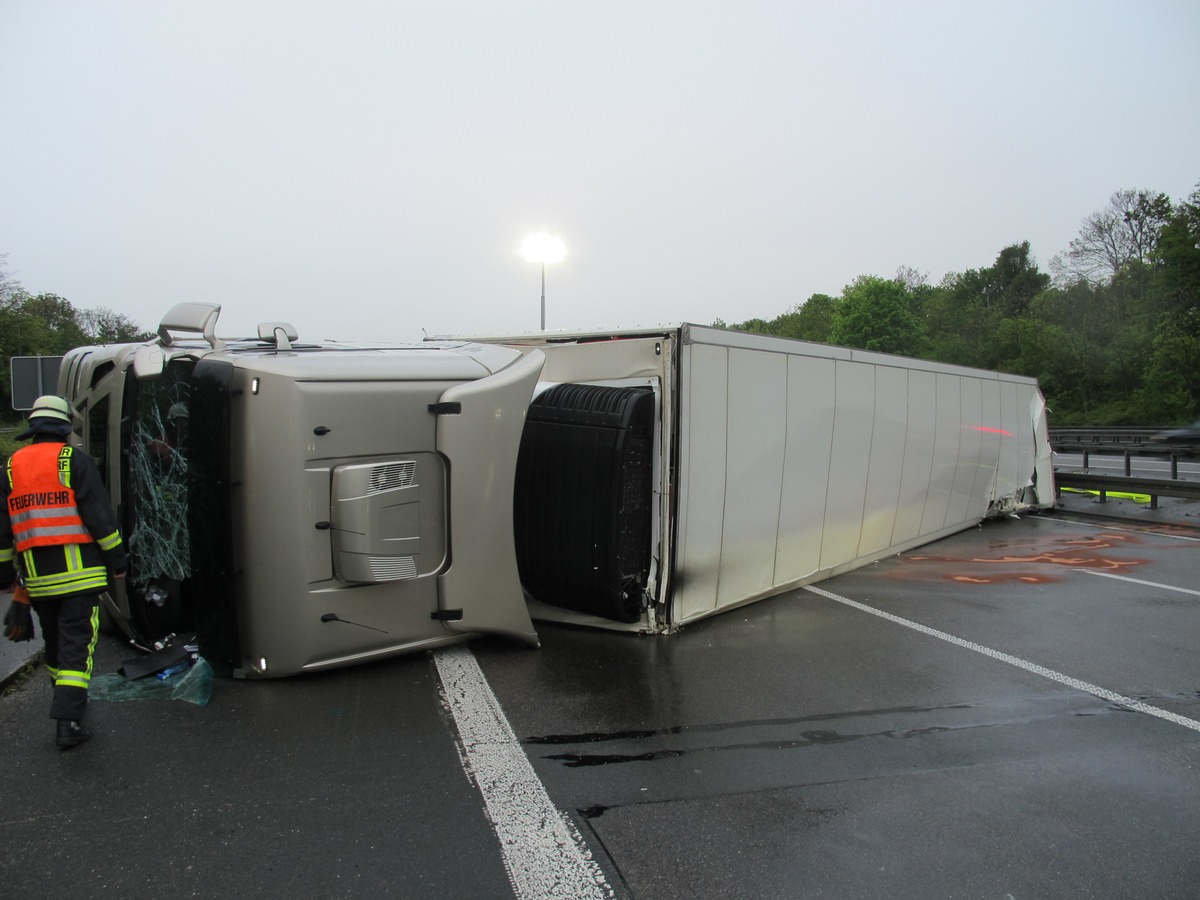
x: 479, y: 433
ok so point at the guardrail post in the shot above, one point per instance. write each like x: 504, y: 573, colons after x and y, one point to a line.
x: 1174, y: 465
x: 1128, y: 471
x: 1085, y: 457
x: 1151, y: 487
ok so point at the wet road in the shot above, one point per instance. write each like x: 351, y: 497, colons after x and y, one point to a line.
x: 1100, y: 463
x: 1014, y: 711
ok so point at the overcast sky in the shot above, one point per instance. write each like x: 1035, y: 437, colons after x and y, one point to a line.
x: 367, y: 170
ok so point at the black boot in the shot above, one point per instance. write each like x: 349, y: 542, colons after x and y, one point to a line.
x: 71, y: 733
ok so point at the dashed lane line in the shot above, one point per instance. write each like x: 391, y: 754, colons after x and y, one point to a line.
x: 1094, y: 690
x: 1153, y: 584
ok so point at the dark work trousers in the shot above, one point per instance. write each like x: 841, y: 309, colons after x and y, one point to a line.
x: 69, y: 626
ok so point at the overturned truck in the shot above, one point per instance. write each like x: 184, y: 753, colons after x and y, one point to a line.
x: 301, y: 506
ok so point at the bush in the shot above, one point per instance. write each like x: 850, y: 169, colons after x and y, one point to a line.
x: 7, y: 445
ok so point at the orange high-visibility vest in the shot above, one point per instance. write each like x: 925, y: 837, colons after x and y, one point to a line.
x: 41, y: 504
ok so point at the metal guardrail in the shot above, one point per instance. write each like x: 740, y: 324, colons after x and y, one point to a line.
x: 1081, y: 434
x: 1174, y: 456
x: 1127, y: 442
x: 1114, y: 437
x: 1105, y: 484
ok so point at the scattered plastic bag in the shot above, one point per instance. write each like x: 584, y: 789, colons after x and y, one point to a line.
x: 193, y: 684
x: 161, y: 658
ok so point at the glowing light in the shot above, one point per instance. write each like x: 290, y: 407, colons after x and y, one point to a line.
x: 543, y: 248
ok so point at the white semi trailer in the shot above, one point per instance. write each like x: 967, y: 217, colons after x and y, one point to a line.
x: 777, y: 463
x: 301, y: 506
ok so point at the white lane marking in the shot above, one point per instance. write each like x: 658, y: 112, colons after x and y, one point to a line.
x: 1063, y: 519
x: 1153, y: 584
x: 1102, y: 693
x: 544, y: 852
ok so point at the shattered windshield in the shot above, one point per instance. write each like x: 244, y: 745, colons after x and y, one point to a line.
x: 175, y: 507
x: 158, y: 479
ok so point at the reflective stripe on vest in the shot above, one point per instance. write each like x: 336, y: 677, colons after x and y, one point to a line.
x: 41, y: 505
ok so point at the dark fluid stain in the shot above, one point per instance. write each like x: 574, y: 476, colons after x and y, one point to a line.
x: 594, y: 737
x: 593, y: 812
x: 578, y: 760
x: 805, y: 739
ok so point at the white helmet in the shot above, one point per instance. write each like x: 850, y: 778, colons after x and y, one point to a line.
x: 50, y: 407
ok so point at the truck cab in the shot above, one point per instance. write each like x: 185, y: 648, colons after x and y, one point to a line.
x: 305, y: 505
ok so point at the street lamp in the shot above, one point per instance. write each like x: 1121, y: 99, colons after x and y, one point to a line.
x: 543, y: 248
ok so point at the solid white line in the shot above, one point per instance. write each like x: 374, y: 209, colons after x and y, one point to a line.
x: 1153, y: 584
x: 1143, y: 527
x: 544, y: 852
x: 1102, y: 693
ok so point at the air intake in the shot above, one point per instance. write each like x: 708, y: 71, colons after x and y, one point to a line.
x: 389, y: 476
x: 393, y: 568
x: 376, y: 519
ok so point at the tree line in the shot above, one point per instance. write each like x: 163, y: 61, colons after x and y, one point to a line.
x: 1111, y: 331
x: 49, y: 325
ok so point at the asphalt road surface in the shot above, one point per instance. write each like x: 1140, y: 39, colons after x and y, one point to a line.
x: 1011, y: 712
x: 1139, y: 466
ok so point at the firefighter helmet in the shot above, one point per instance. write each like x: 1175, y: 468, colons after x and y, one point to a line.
x: 50, y: 407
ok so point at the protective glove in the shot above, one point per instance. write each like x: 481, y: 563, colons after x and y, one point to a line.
x: 18, y: 622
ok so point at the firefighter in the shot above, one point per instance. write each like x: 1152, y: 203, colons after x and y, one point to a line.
x: 57, y: 524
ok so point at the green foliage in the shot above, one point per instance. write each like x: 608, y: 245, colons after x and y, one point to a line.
x: 8, y: 446
x: 1114, y: 339
x: 811, y: 320
x: 48, y: 325
x: 1176, y: 259
x: 1125, y: 231
x: 880, y: 315
x: 1013, y: 281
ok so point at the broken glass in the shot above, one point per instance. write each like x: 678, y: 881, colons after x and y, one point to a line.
x: 158, y: 475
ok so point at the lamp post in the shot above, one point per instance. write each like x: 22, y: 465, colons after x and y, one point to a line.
x: 543, y: 248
